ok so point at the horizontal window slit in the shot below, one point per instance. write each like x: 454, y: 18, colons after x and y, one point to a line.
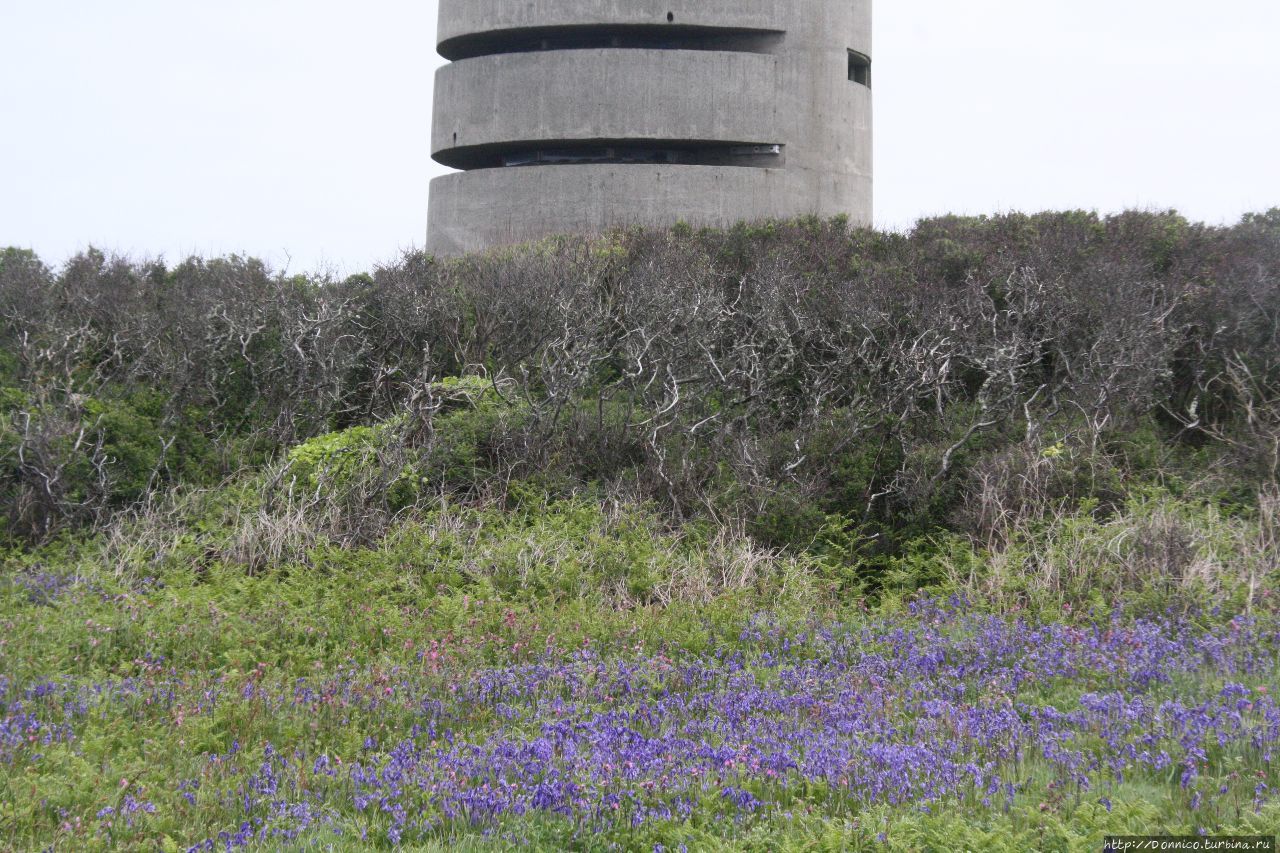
x: 633, y: 37
x: 621, y: 152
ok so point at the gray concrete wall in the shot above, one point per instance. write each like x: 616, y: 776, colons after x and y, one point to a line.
x: 798, y: 96
x: 468, y: 17
x: 472, y: 210
x: 506, y: 98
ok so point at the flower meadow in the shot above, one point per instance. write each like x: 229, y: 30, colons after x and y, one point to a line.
x: 787, y: 537
x: 886, y: 731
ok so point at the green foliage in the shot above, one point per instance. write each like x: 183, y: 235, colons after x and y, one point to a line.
x: 131, y: 440
x: 452, y: 585
x: 454, y: 590
x: 473, y: 418
x: 572, y: 569
x: 339, y: 462
x: 781, y: 372
x: 399, y: 458
x: 787, y: 519
x: 1154, y: 552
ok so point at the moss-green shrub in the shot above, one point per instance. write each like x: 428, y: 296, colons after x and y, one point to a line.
x: 362, y: 462
x: 473, y: 420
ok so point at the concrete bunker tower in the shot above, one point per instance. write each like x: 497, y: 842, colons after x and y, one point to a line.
x: 576, y: 115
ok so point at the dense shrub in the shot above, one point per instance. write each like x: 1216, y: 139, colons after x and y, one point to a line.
x: 800, y: 377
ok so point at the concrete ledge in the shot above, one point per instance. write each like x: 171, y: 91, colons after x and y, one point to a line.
x: 461, y: 18
x: 576, y: 95
x: 471, y: 211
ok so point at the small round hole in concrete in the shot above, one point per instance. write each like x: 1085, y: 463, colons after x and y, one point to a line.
x: 671, y: 16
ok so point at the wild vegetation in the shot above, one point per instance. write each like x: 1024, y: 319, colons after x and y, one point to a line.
x: 786, y: 536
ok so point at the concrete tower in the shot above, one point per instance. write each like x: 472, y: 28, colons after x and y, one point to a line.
x: 575, y: 115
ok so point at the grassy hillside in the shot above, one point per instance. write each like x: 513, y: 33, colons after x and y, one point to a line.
x: 786, y: 537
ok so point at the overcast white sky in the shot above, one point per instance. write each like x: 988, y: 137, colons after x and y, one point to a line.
x: 297, y: 130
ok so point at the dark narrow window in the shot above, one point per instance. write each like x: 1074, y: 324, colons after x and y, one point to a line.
x: 688, y: 154
x: 860, y: 68
x: 617, y: 152
x: 634, y: 37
